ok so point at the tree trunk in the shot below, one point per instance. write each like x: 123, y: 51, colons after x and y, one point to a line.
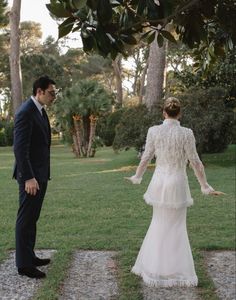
x: 86, y: 133
x: 136, y: 84
x: 142, y: 83
x: 78, y: 136
x: 93, y: 123
x: 117, y: 70
x: 155, y: 74
x: 15, y: 68
x: 75, y: 146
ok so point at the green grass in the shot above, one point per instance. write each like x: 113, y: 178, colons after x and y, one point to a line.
x: 89, y: 206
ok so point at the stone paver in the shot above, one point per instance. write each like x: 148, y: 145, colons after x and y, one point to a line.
x: 14, y: 286
x: 222, y: 267
x: 92, y: 276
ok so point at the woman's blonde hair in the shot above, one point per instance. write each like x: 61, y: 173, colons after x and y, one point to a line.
x: 172, y: 106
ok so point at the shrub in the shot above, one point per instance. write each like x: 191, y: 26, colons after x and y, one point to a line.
x: 2, y: 138
x: 6, y: 133
x: 204, y: 111
x: 107, y: 124
x: 133, y: 126
x: 9, y: 127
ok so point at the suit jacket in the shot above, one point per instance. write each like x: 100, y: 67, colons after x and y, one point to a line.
x: 32, y: 140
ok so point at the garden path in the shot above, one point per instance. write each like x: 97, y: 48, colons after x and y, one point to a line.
x: 93, y: 276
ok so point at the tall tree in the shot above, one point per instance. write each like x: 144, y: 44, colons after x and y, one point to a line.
x: 3, y: 40
x: 3, y: 50
x: 118, y: 77
x: 15, y: 67
x: 155, y: 74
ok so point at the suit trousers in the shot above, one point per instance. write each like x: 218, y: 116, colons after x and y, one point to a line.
x: 27, y: 217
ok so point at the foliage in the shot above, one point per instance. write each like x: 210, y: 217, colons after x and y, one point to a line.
x: 207, y: 114
x: 4, y: 59
x: 222, y: 74
x: 86, y: 97
x: 4, y: 64
x: 204, y: 111
x: 95, y: 64
x: 66, y: 69
x: 78, y: 110
x: 110, y: 27
x: 43, y: 57
x: 43, y: 64
x: 132, y: 129
x: 3, y: 15
x: 30, y: 37
x: 107, y: 124
x: 6, y: 133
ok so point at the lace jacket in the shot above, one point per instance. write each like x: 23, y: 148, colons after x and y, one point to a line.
x: 173, y: 146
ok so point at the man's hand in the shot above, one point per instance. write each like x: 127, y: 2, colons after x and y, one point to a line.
x: 31, y: 186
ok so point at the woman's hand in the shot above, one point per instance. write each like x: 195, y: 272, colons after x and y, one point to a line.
x: 133, y: 179
x: 216, y: 193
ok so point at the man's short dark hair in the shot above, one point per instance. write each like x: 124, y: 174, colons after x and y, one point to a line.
x: 42, y: 82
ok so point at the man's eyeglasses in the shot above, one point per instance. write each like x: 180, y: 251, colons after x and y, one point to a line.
x: 54, y: 93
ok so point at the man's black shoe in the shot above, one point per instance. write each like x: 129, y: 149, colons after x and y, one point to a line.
x: 31, y: 272
x: 41, y: 261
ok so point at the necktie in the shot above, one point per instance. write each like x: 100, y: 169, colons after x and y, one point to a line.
x: 45, y: 120
x: 44, y: 114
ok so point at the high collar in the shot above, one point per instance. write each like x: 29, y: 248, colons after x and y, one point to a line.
x: 171, y: 122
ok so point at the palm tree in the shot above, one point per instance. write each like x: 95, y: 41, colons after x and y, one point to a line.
x: 79, y: 110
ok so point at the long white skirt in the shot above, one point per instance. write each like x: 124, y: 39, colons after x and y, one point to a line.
x: 165, y: 258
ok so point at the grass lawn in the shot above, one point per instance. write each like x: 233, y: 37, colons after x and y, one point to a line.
x: 89, y: 205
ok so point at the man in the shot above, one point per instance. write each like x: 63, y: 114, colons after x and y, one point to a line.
x: 32, y: 139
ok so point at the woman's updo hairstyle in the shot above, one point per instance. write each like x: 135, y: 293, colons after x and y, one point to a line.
x: 172, y: 107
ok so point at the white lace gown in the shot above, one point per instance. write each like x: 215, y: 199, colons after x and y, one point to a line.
x: 165, y: 257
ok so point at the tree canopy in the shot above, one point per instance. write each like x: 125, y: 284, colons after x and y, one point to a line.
x: 110, y: 27
x: 3, y: 16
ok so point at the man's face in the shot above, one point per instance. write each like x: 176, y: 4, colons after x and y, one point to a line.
x: 48, y: 96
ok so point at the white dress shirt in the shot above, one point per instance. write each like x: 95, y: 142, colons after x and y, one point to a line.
x: 38, y: 105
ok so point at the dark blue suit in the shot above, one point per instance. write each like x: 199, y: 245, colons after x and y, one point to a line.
x: 32, y: 139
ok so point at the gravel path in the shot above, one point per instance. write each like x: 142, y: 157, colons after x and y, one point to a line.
x: 15, y: 287
x: 174, y: 293
x: 92, y: 276
x: 222, y: 268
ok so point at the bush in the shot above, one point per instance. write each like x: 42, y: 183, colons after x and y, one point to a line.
x: 106, y: 126
x: 204, y: 111
x: 133, y: 126
x: 2, y: 138
x: 6, y: 133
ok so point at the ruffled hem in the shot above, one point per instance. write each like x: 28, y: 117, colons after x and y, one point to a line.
x: 172, y: 205
x: 191, y: 282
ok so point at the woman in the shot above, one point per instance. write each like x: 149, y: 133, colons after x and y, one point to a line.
x: 165, y: 258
